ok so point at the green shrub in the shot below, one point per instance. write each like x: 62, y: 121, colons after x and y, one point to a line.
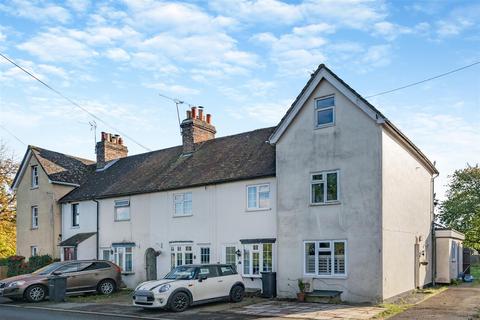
x: 16, y: 265
x: 37, y: 262
x: 3, y: 262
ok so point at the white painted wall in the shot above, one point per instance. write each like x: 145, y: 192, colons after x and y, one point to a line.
x: 353, y: 147
x: 449, y: 265
x: 219, y: 217
x: 87, y: 223
x: 407, y: 217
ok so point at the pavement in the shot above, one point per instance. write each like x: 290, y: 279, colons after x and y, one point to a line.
x: 458, y: 302
x: 250, y: 308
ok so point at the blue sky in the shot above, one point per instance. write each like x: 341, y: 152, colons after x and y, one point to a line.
x: 245, y: 61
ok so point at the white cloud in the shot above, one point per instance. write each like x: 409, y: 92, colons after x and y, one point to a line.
x: 37, y: 10
x: 79, y: 6
x: 267, y: 113
x: 55, y: 46
x: 358, y: 14
x: 117, y: 54
x: 377, y: 56
x: 9, y: 73
x: 446, y: 28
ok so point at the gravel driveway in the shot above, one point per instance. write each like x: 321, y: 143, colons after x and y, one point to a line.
x: 461, y: 302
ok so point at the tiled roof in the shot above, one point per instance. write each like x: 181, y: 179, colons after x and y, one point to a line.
x: 237, y: 157
x: 63, y: 168
x: 74, y: 240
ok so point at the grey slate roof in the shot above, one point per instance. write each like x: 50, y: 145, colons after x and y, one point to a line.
x: 237, y: 157
x: 63, y: 168
x: 73, y: 241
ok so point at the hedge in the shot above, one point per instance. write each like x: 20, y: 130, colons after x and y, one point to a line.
x: 17, y: 265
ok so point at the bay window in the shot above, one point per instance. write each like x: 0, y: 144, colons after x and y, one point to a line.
x: 326, y: 258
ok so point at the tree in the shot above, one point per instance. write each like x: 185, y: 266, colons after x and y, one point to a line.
x: 8, y: 168
x: 461, y: 210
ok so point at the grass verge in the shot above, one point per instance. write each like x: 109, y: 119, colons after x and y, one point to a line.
x: 121, y: 294
x: 408, y: 301
x: 475, y: 271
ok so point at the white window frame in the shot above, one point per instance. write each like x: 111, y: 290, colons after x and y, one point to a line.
x: 251, y: 249
x: 178, y: 252
x: 202, y: 254
x: 35, y: 176
x: 179, y: 198
x: 317, y: 109
x: 224, y: 254
x: 34, y: 211
x: 332, y: 274
x: 257, y: 194
x: 110, y: 255
x: 324, y: 181
x: 123, y: 203
x: 34, y: 251
x: 77, y: 205
x: 122, y: 264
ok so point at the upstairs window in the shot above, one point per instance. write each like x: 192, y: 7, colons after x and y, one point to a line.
x: 34, y: 217
x: 122, y: 210
x: 324, y: 187
x: 183, y: 204
x: 324, y: 112
x: 258, y: 197
x: 34, y: 176
x: 75, y: 215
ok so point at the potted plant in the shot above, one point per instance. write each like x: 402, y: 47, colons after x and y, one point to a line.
x: 301, y: 289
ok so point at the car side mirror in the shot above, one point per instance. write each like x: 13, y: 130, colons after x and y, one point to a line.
x: 56, y: 273
x: 202, y: 277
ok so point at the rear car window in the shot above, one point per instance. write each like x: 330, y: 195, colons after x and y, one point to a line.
x: 227, y: 270
x: 209, y: 271
x: 97, y: 265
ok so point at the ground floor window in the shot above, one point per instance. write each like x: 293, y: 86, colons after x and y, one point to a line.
x: 123, y: 257
x: 257, y: 257
x: 34, y: 251
x: 69, y: 253
x: 231, y: 255
x: 205, y: 255
x: 180, y: 255
x: 325, y: 258
x: 106, y: 254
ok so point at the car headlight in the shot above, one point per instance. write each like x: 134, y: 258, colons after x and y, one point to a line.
x: 16, y: 283
x: 164, y: 288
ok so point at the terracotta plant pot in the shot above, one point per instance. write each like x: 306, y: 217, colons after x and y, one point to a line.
x: 301, y: 296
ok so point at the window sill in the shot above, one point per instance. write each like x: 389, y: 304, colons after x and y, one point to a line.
x: 128, y: 273
x: 255, y: 276
x: 328, y: 125
x: 331, y: 203
x: 75, y: 227
x: 33, y: 188
x: 260, y: 209
x: 314, y: 276
x: 34, y: 228
x: 123, y: 220
x: 183, y: 216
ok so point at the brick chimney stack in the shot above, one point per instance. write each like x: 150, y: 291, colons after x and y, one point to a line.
x: 196, y: 128
x: 109, y: 148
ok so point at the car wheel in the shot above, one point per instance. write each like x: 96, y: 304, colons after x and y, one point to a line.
x: 106, y: 287
x: 237, y: 293
x: 35, y: 293
x: 179, y: 302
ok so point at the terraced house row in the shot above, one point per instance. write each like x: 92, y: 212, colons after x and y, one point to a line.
x: 334, y: 194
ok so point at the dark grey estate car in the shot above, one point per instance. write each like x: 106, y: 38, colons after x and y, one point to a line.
x: 82, y: 276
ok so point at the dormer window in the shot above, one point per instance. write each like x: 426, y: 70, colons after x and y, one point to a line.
x: 325, y: 112
x: 34, y: 176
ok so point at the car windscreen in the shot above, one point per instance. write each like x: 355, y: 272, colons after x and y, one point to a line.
x: 181, y: 273
x: 47, y: 269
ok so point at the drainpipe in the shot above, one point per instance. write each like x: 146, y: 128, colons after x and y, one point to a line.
x: 434, y: 241
x: 98, y: 235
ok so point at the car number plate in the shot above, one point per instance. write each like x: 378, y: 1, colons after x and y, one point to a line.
x: 141, y: 299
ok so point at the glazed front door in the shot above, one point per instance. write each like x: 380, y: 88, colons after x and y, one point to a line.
x: 69, y: 253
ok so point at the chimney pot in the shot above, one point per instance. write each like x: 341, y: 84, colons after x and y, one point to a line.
x: 189, y: 114
x: 209, y: 118
x: 194, y: 132
x: 200, y: 113
x: 194, y: 112
x: 110, y: 148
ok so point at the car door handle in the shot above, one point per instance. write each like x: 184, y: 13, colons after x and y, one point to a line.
x: 220, y: 280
